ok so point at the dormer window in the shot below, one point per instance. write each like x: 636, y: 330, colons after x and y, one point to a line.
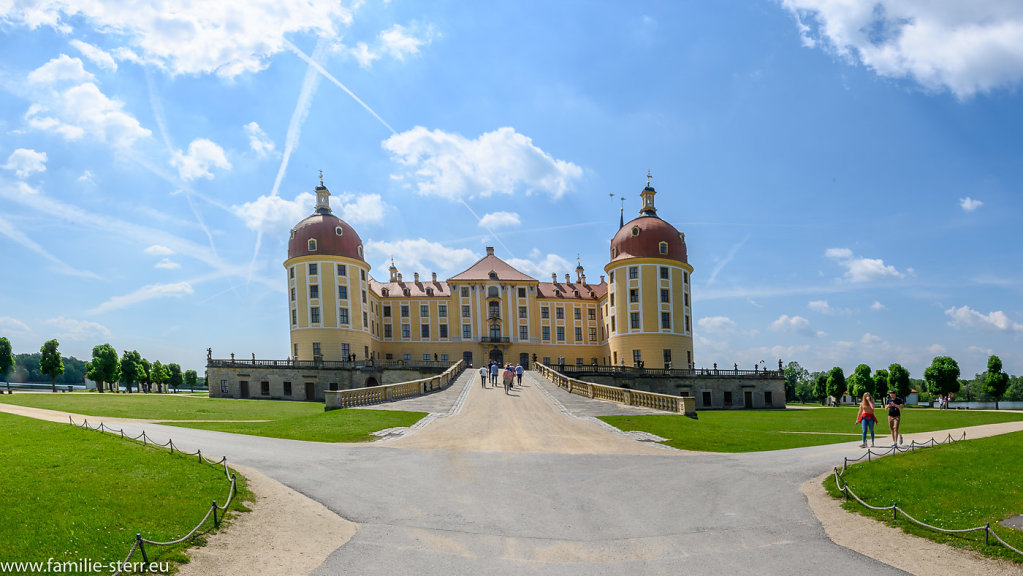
x: 557, y: 293
x: 292, y: 233
x: 385, y: 291
x: 663, y: 247
x: 406, y: 292
x: 492, y: 275
x: 576, y: 293
x: 429, y: 291
x: 614, y: 253
x: 635, y: 230
x: 360, y: 250
x: 338, y: 230
x: 312, y: 244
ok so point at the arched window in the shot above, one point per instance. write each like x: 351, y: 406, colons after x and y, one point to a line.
x: 338, y: 230
x: 663, y: 246
x: 635, y: 230
x: 312, y: 244
x: 493, y: 292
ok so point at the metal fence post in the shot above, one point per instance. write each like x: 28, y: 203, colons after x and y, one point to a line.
x: 142, y: 548
x: 987, y: 529
x: 895, y: 511
x: 216, y: 523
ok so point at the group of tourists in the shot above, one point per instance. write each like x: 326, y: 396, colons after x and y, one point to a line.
x: 866, y: 418
x: 508, y: 374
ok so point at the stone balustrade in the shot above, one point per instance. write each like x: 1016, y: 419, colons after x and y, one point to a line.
x: 335, y: 399
x: 666, y: 402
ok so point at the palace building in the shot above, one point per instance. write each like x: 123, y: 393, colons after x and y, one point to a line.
x: 638, y: 314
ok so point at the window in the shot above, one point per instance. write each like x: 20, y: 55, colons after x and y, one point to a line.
x: 316, y: 349
x: 522, y: 311
x: 665, y: 295
x: 545, y: 312
x: 442, y: 310
x: 663, y: 247
x: 291, y: 272
x: 223, y: 387
x: 465, y: 291
x: 612, y: 299
x: 667, y: 355
x: 346, y: 351
x: 523, y: 332
x: 612, y: 323
x: 294, y: 317
x: 578, y: 313
x: 387, y: 311
x: 635, y: 230
x: 426, y: 357
x: 633, y: 272
x: 728, y: 398
x: 296, y: 350
x: 687, y: 323
x: 342, y: 315
x: 424, y: 311
x: 443, y: 330
x: 666, y: 320
x: 547, y: 360
x: 312, y: 269
x: 466, y: 331
x: 768, y: 400
x: 612, y: 276
x: 287, y: 388
x: 314, y: 291
x: 406, y: 332
x: 559, y: 313
x: 561, y: 333
x: 342, y: 270
x: 495, y: 332
x: 546, y: 332
x: 664, y: 271
x: 362, y: 273
x: 312, y: 244
x: 706, y: 397
x: 522, y: 292
x: 363, y: 296
x: 685, y: 277
x: 637, y: 356
x: 314, y: 314
x: 591, y: 313
x: 342, y: 292
x: 404, y: 311
x: 466, y: 312
x: 493, y: 292
x: 292, y: 294
x: 633, y: 295
x: 686, y: 298
x: 578, y: 334
x: 634, y: 320
x: 443, y: 357
x: 593, y: 334
x: 387, y: 330
x: 365, y: 320
x: 406, y: 356
x: 424, y: 330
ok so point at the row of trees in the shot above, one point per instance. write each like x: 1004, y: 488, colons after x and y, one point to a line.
x: 941, y: 378
x: 106, y: 368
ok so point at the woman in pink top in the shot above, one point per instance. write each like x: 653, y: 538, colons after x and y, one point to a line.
x: 866, y: 418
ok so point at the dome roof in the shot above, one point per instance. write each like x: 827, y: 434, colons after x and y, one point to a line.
x: 334, y: 237
x: 642, y: 238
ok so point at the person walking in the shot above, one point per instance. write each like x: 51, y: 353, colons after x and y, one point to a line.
x: 518, y: 374
x: 866, y: 418
x: 483, y: 376
x: 493, y: 374
x: 508, y: 378
x: 895, y: 406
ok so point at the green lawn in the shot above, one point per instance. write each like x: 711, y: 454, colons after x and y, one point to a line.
x: 69, y: 493
x: 333, y: 426
x: 961, y: 485
x: 758, y: 430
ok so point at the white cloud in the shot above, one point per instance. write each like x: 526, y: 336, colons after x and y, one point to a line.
x: 363, y: 55
x: 859, y: 269
x: 202, y: 155
x: 963, y: 47
x: 10, y: 326
x: 84, y: 109
x: 937, y: 349
x: 499, y: 220
x: 796, y: 324
x: 150, y: 292
x: 72, y: 329
x: 823, y: 307
x: 85, y: 178
x: 158, y: 250
x: 167, y: 264
x: 189, y: 37
x: 969, y: 204
x: 273, y: 215
x: 541, y: 266
x: 260, y: 143
x: 968, y: 317
x: 25, y: 161
x: 421, y: 255
x: 877, y: 306
x: 399, y: 41
x: 100, y: 58
x: 870, y: 339
x: 499, y: 162
x: 716, y: 325
x: 364, y: 209
x: 60, y: 70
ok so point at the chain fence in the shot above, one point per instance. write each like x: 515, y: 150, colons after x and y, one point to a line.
x: 140, y: 542
x: 895, y: 508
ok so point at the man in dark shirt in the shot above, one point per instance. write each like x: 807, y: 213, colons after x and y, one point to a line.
x: 895, y: 406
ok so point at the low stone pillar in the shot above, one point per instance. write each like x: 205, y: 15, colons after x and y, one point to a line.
x: 687, y: 406
x: 332, y: 400
x: 627, y: 397
x: 387, y: 393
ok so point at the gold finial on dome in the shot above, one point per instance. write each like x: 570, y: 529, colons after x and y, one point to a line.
x: 648, y: 177
x: 321, y: 178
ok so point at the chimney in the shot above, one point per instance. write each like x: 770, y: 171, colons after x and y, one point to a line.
x: 582, y: 278
x: 399, y: 276
x: 435, y: 277
x: 568, y: 279
x: 554, y: 277
x: 490, y: 250
x: 416, y: 277
x: 601, y: 278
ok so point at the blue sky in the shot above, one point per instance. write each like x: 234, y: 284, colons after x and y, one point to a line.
x: 847, y: 177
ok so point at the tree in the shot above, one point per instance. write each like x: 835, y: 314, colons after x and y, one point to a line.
x: 191, y: 378
x: 147, y: 375
x: 820, y: 386
x: 861, y: 382
x: 793, y: 374
x: 6, y: 360
x: 880, y: 383
x: 131, y: 369
x: 836, y: 382
x: 104, y: 367
x: 50, y: 362
x: 942, y: 376
x: 174, y: 376
x: 898, y: 380
x: 159, y: 375
x: 996, y: 381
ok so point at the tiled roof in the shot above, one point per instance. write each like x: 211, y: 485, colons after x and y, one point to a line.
x: 567, y: 290
x: 481, y: 271
x: 415, y: 289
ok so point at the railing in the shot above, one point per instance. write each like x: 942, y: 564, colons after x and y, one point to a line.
x: 325, y: 364
x: 681, y: 372
x: 334, y: 399
x: 666, y: 402
x: 495, y: 339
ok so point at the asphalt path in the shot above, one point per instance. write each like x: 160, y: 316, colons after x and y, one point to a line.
x: 507, y: 500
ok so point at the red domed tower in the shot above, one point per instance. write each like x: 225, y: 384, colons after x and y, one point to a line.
x: 648, y: 317
x: 328, y: 284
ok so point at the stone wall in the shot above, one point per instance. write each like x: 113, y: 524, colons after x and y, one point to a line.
x: 306, y: 384
x: 725, y: 392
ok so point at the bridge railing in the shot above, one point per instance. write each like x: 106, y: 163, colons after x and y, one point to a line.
x: 666, y: 402
x: 335, y: 399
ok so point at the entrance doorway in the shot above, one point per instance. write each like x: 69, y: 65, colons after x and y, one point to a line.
x: 497, y: 356
x: 524, y: 360
x: 310, y: 391
x: 467, y: 358
x: 244, y: 386
x: 747, y: 398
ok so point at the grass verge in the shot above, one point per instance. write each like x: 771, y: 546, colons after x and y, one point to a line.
x: 164, y: 406
x: 752, y: 431
x: 955, y: 486
x: 333, y: 426
x: 70, y: 494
